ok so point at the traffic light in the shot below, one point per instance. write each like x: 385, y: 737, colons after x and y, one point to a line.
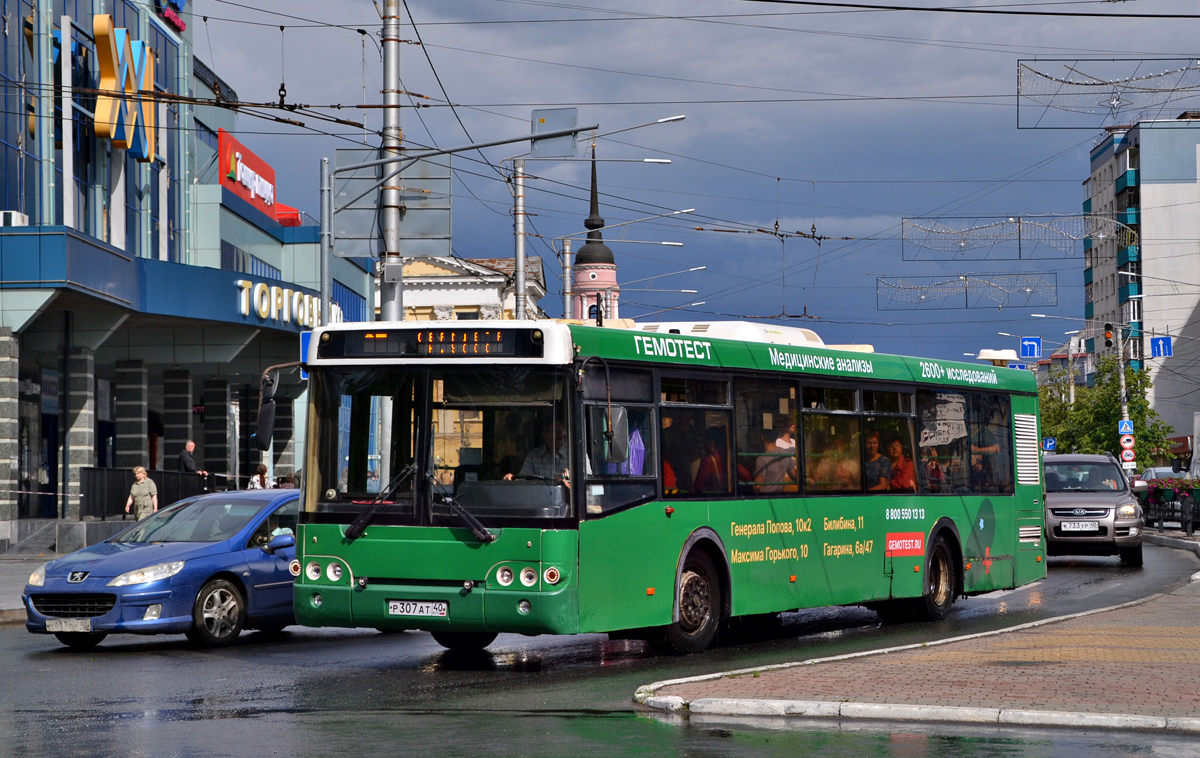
x: 1108, y: 335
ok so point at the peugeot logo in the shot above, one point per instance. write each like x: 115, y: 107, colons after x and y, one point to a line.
x: 1078, y: 512
x: 75, y: 577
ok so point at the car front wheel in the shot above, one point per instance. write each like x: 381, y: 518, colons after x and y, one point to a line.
x: 218, y: 615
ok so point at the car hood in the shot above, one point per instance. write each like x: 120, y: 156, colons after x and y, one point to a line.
x: 1109, y: 499
x: 109, y: 559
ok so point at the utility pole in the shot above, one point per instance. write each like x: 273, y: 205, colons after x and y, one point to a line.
x: 391, y: 284
x: 1121, y: 370
x: 567, y: 274
x: 1071, y: 370
x: 326, y: 238
x: 519, y: 234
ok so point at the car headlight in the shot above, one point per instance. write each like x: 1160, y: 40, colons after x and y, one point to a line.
x: 38, y: 577
x: 1129, y: 510
x: 148, y: 574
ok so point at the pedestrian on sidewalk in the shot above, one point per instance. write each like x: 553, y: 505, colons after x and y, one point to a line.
x: 143, y: 495
x: 260, y: 480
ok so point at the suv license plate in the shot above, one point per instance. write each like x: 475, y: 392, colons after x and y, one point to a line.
x: 1081, y: 526
x: 417, y: 608
x: 68, y: 625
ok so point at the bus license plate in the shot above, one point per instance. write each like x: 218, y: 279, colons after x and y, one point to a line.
x: 417, y: 608
x: 68, y: 625
x: 1081, y: 526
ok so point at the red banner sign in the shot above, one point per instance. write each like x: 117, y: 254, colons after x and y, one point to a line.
x: 245, y: 174
x: 905, y: 543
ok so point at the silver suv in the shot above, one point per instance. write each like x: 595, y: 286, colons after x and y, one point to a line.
x: 1091, y: 508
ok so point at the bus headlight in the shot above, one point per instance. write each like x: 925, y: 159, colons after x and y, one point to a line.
x: 523, y: 607
x: 504, y: 576
x: 294, y: 567
x: 334, y: 572
x: 313, y: 571
x: 528, y: 576
x: 551, y: 575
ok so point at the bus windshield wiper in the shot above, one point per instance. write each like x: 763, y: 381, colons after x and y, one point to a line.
x: 475, y: 525
x: 360, y: 523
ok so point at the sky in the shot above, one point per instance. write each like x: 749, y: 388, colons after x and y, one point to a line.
x: 818, y: 142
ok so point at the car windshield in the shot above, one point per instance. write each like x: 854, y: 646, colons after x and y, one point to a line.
x: 1083, y: 477
x: 211, y: 519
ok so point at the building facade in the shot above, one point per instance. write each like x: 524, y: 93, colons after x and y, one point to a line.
x: 1147, y: 176
x: 148, y: 272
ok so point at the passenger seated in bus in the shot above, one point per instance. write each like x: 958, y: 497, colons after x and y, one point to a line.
x: 980, y: 477
x: 681, y: 447
x: 713, y: 476
x: 775, y: 471
x: 541, y: 463
x: 904, y: 473
x: 876, y: 466
x: 934, y: 474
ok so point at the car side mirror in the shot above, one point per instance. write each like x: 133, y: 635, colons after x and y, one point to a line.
x: 1140, y: 487
x: 279, y: 542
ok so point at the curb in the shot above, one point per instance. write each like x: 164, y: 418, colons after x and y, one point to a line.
x: 925, y: 713
x: 12, y: 617
x: 646, y: 692
x: 1174, y: 542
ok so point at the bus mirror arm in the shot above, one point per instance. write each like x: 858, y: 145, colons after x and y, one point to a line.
x: 265, y: 420
x: 617, y: 428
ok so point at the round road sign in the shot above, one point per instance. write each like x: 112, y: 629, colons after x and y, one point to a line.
x: 1127, y: 441
x: 1128, y: 455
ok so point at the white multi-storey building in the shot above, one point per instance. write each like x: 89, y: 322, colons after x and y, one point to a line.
x: 1147, y: 176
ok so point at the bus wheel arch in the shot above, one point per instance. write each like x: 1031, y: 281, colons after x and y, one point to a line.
x: 943, y: 576
x: 701, y: 597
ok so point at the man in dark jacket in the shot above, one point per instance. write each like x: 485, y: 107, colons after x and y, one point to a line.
x: 187, y: 463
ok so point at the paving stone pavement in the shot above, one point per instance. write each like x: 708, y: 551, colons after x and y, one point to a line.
x: 1136, y: 665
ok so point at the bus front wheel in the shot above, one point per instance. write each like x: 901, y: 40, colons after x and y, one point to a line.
x: 464, y: 641
x: 941, y: 582
x: 699, y: 598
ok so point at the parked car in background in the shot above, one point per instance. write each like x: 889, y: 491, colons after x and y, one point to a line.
x: 1159, y: 472
x: 207, y: 566
x: 1092, y: 509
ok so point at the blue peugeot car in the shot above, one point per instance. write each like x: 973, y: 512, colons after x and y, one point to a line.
x: 207, y: 566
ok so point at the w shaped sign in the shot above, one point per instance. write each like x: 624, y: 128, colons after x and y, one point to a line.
x: 125, y: 111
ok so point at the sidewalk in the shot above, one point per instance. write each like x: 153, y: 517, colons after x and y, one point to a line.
x: 14, y: 572
x: 1133, y: 666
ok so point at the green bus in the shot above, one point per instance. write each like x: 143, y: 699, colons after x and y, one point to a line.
x: 657, y: 481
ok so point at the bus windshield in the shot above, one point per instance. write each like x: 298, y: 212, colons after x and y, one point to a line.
x: 494, y: 439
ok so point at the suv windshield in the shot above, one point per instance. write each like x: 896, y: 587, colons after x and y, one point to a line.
x: 1083, y: 477
x: 210, y: 520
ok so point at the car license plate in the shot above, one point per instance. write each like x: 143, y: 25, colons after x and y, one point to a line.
x: 68, y: 625
x: 1081, y: 526
x: 417, y: 608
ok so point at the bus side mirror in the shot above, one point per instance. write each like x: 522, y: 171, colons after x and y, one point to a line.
x: 266, y: 412
x: 616, y: 449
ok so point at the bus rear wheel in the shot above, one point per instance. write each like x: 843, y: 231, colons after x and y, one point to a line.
x: 464, y: 641
x: 941, y: 582
x: 699, y: 598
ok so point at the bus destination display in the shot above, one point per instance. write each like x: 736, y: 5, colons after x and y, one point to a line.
x: 433, y: 343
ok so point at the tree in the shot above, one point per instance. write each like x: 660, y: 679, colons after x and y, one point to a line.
x: 1090, y: 425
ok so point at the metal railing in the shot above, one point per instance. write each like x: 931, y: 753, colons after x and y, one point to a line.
x: 104, y: 491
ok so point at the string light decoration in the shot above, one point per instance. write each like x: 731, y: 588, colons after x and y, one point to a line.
x: 1103, y: 88
x: 966, y: 291
x: 1011, y: 237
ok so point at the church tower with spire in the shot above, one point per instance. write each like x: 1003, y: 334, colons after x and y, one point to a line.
x: 595, y: 272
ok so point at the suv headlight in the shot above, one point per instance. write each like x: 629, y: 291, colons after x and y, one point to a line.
x: 38, y: 577
x: 148, y: 574
x: 1129, y: 510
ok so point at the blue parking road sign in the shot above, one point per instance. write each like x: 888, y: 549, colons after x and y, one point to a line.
x: 1124, y: 427
x: 1031, y: 347
x: 1050, y: 444
x: 1160, y: 347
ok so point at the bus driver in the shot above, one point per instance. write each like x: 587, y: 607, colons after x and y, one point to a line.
x: 541, y: 463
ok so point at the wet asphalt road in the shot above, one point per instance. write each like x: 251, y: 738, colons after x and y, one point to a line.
x: 327, y: 691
